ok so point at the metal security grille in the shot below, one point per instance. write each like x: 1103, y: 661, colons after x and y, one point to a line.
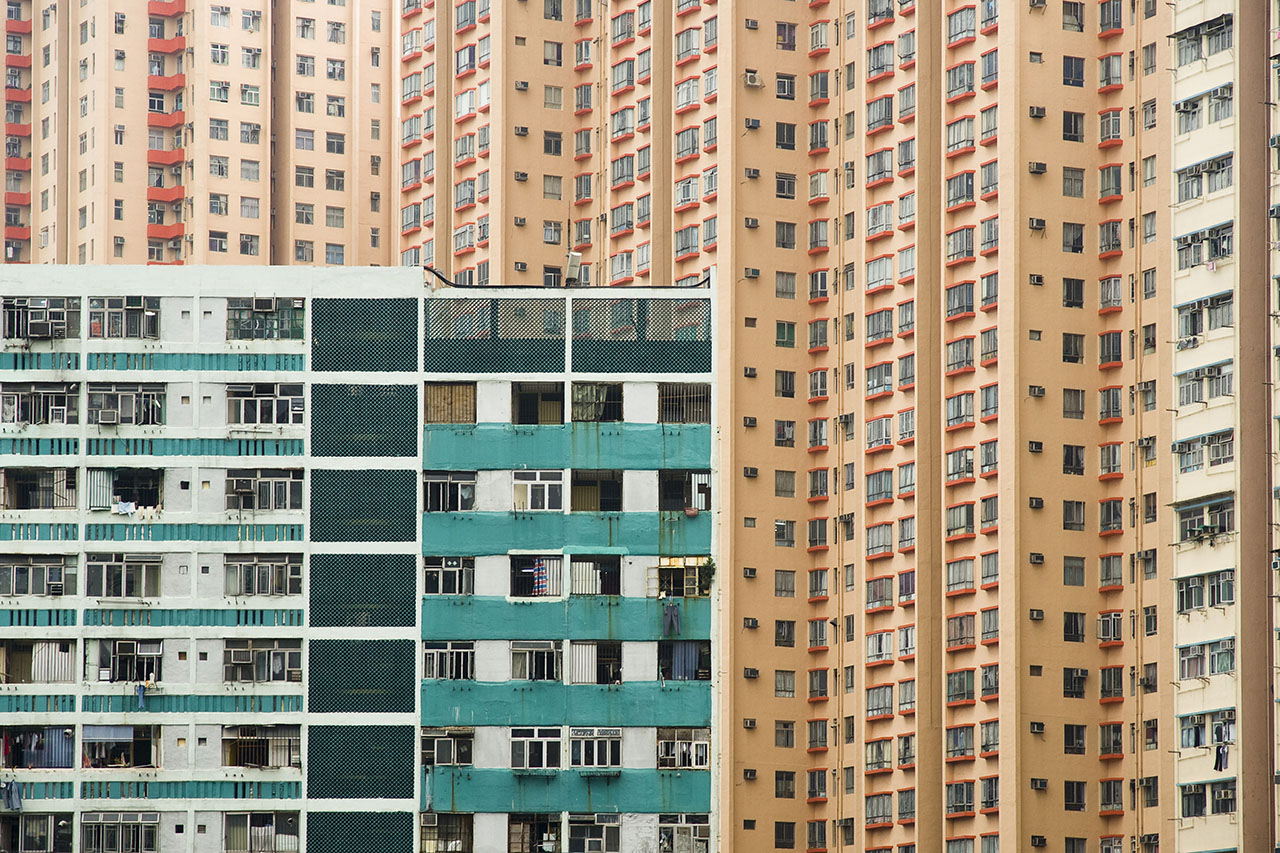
x: 364, y: 420
x: 362, y: 590
x: 364, y: 334
x: 362, y: 676
x: 494, y: 335
x: 655, y: 335
x: 357, y: 762
x: 360, y: 832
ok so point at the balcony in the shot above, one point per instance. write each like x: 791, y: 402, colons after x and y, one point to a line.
x: 18, y: 95
x: 17, y: 232
x: 176, y: 193
x: 17, y: 27
x: 172, y: 119
x: 164, y: 157
x: 166, y: 83
x: 166, y: 10
x: 165, y: 232
x: 173, y: 45
x: 573, y: 445
x: 15, y: 60
x: 22, y: 199
x: 474, y: 533
x: 472, y: 789
x: 17, y: 164
x: 15, y: 129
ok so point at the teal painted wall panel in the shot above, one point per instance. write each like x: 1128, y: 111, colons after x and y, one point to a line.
x: 479, y: 533
x: 40, y: 446
x: 373, y: 676
x: 270, y: 362
x: 194, y: 446
x: 36, y: 618
x: 225, y: 617
x: 364, y: 334
x: 170, y: 703
x: 383, y: 597
x: 14, y: 532
x: 181, y: 790
x: 39, y: 361
x: 471, y: 789
x: 364, y: 420
x: 193, y: 533
x: 542, y: 703
x: 361, y: 832
x: 363, y: 505
x: 578, y: 617
x: 495, y: 446
x: 29, y: 704
x: 48, y: 790
x: 358, y: 762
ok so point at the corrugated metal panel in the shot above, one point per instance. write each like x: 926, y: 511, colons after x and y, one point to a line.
x: 53, y: 662
x: 584, y: 663
x: 101, y: 481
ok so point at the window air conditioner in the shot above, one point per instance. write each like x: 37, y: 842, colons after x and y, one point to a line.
x: 750, y: 672
x: 108, y: 417
x: 1039, y: 784
x: 751, y: 272
x: 748, y: 421
x: 55, y: 588
x: 755, y: 173
x: 1150, y: 838
x: 39, y: 329
x: 1036, y: 279
x: 1036, y: 558
x: 753, y: 80
x: 429, y: 818
x: 242, y: 656
x: 522, y: 176
x: 264, y: 304
x: 520, y: 220
x: 175, y: 244
x: 1038, y: 840
x: 749, y: 372
x: 1036, y: 390
x: 1037, y: 112
x: 1036, y: 615
x: 748, y: 773
x: 521, y: 266
x: 748, y: 722
x: 1037, y: 728
x: 748, y: 571
x: 242, y: 487
x: 1037, y: 168
x: 752, y: 222
x: 752, y: 24
x: 1035, y: 446
x: 753, y: 124
x: 750, y: 622
x: 521, y: 130
x: 1036, y: 503
x: 1035, y: 223
x: 751, y: 472
x: 522, y: 85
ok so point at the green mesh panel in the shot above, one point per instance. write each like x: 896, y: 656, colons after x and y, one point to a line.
x: 358, y: 762
x: 364, y: 334
x: 360, y: 832
x: 364, y: 420
x: 361, y: 676
x: 642, y: 335
x: 363, y: 506
x: 384, y: 595
x: 494, y: 335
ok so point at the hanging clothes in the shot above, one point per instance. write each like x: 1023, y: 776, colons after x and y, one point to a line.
x: 11, y: 795
x: 142, y: 697
x: 670, y: 619
x: 1220, y: 757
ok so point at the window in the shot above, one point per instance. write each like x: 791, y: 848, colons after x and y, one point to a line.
x: 1073, y: 127
x: 1072, y: 71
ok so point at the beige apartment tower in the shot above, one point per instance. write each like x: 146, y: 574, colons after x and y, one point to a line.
x: 994, y: 462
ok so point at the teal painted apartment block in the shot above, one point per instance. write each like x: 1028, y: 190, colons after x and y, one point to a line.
x: 473, y: 533
x: 549, y: 703
x: 578, y: 617
x: 473, y: 789
x: 573, y: 445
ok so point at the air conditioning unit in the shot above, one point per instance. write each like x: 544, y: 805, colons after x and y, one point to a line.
x: 1035, y: 223
x: 54, y: 588
x: 429, y: 818
x: 1149, y: 838
x: 1036, y: 558
x: 753, y: 80
x: 1222, y: 93
x: 521, y: 130
x: 1035, y: 390
x: 522, y: 85
x: 1036, y: 4
x: 1038, y: 840
x: 753, y: 124
x: 108, y: 417
x: 749, y: 773
x: 243, y: 656
x: 753, y: 173
x: 748, y: 421
x: 1035, y: 446
x: 748, y: 571
x: 1037, y: 168
x: 1036, y: 112
x: 573, y: 266
x: 751, y: 222
x: 1229, y: 714
x: 1036, y: 615
x: 39, y: 329
x: 750, y: 672
x: 749, y: 372
x: 751, y: 472
x: 522, y: 176
x: 750, y: 622
x: 242, y: 487
x: 752, y: 24
x: 521, y: 266
x: 264, y: 304
x: 1039, y: 784
x: 1035, y: 503
x: 520, y: 221
x: 748, y: 722
x: 1036, y: 279
x: 1193, y: 789
x: 1037, y: 728
x: 751, y: 272
x: 175, y: 244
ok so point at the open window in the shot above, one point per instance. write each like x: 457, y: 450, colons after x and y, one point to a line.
x: 596, y: 491
x: 125, y: 490
x: 265, y: 318
x: 122, y: 575
x: 264, y: 489
x: 595, y: 575
x: 537, y: 402
x: 684, y: 749
x: 681, y: 577
x: 536, y: 660
x: 124, y: 317
x: 124, y: 660
x: 444, y: 831
x: 449, y: 575
x: 120, y: 746
x: 680, y: 489
x: 37, y: 574
x: 684, y: 660
x: 451, y: 746
x: 37, y: 833
x: 261, y: 746
x: 597, y: 401
x: 263, y: 574
x: 265, y: 403
x: 684, y: 403
x: 259, y: 660
x: 38, y: 488
x: 534, y: 576
x: 450, y: 402
x: 140, y: 404
x: 256, y: 832
x: 448, y: 491
x: 596, y: 662
x: 40, y: 402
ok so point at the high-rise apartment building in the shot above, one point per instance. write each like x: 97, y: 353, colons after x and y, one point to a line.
x: 286, y: 568
x: 984, y: 512
x: 256, y: 132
